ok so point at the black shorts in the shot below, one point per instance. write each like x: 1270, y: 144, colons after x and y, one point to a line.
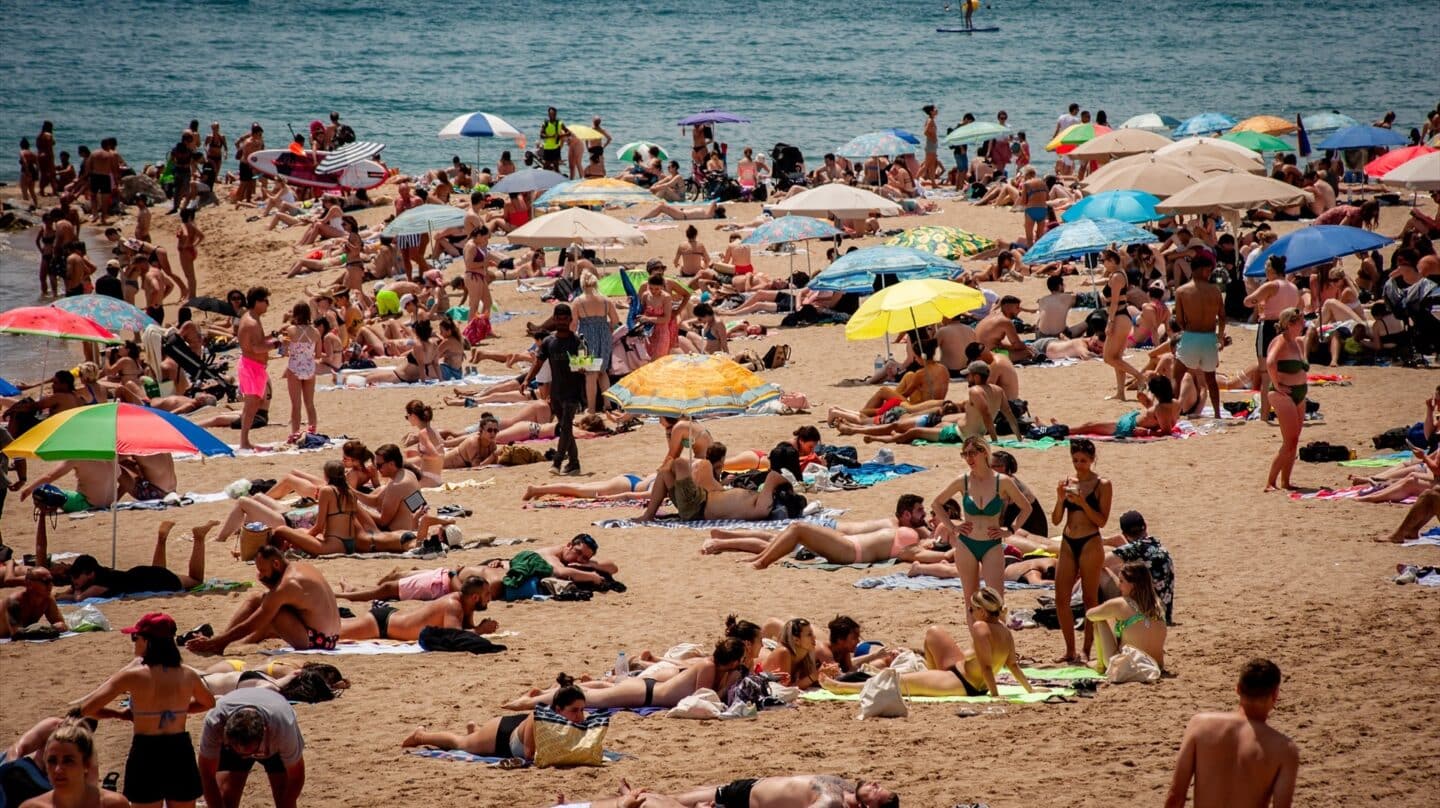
x: 161, y: 767
x: 247, y: 174
x: 262, y: 418
x: 231, y: 762
x: 1264, y: 335
x: 784, y: 302
x: 597, y: 151
x: 182, y: 180
x: 100, y: 183
x: 735, y: 795
x: 550, y: 155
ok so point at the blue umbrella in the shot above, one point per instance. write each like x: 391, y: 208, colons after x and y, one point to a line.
x: 856, y: 271
x: 8, y: 389
x: 705, y: 116
x: 1126, y: 206
x: 790, y: 228
x: 1362, y: 137
x: 1327, y: 122
x: 876, y: 144
x: 1206, y: 123
x: 1084, y: 237
x: 1314, y: 245
x: 908, y: 137
x: 424, y: 219
x: 530, y: 179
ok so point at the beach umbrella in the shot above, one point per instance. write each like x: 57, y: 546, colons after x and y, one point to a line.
x: 593, y: 193
x: 1235, y: 191
x: 1121, y: 143
x: 56, y: 323
x: 527, y: 180
x: 691, y: 384
x: 424, y: 219
x: 1142, y: 172
x: 1075, y: 135
x: 212, y: 305
x: 1420, y: 174
x: 1362, y: 137
x: 908, y: 137
x: 876, y: 144
x: 612, y: 286
x: 1151, y: 122
x: 627, y: 152
x: 584, y: 132
x: 1322, y: 122
x: 106, y: 431
x: 111, y: 313
x: 1266, y: 125
x: 1125, y: 206
x: 909, y: 305
x: 481, y: 124
x: 1209, y: 147
x: 789, y: 229
x: 977, y: 132
x: 857, y: 271
x: 1317, y: 244
x: 1389, y: 161
x: 946, y: 242
x: 1257, y: 141
x: 837, y: 199
x: 1074, y: 239
x: 712, y: 116
x: 1206, y: 123
x: 574, y: 226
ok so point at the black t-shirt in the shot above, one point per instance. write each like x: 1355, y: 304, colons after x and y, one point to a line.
x: 137, y: 579
x: 565, y: 384
x: 109, y: 285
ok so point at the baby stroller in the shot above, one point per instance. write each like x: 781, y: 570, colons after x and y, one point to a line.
x: 716, y: 186
x: 205, y: 372
x: 789, y: 166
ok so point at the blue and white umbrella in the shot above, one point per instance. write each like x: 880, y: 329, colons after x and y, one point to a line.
x: 480, y: 124
x: 1362, y: 137
x: 1126, y: 206
x: 1322, y: 122
x: 876, y: 144
x: 527, y: 180
x: 856, y: 271
x: 1151, y: 122
x: 787, y: 229
x: 1206, y: 123
x: 908, y: 137
x: 349, y: 155
x: 1315, y: 245
x: 424, y: 219
x: 1086, y: 236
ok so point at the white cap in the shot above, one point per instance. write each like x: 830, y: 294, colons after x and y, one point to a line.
x: 454, y: 536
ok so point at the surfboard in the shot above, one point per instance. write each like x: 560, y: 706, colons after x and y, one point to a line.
x: 300, y: 170
x: 976, y: 30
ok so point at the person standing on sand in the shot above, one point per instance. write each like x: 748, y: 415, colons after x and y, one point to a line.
x: 187, y: 243
x: 567, y: 386
x: 215, y: 146
x: 244, y: 147
x: 1200, y: 313
x: 251, y: 373
x: 1237, y: 758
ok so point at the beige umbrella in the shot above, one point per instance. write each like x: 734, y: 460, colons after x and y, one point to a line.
x: 1238, y: 155
x: 844, y: 201
x: 1120, y: 143
x: 1235, y: 191
x: 575, y: 226
x: 1142, y: 172
x: 1202, y: 164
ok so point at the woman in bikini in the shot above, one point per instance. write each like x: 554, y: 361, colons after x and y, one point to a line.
x: 624, y: 487
x: 301, y: 343
x: 659, y: 313
x: 354, y: 255
x: 329, y: 225
x: 872, y: 546
x: 89, y: 390
x: 479, y: 449
x: 1288, y: 369
x: 477, y: 273
x: 981, y: 529
x: 339, y: 520
x: 507, y: 736
x: 421, y: 360
x: 331, y: 352
x: 793, y: 662
x: 716, y: 673
x: 691, y: 257
x: 1082, y: 506
x: 586, y: 426
x: 429, y: 448
x: 1135, y: 620
x: 161, y: 768
x: 310, y: 683
x: 951, y: 670
x: 1118, y: 324
x: 451, y: 349
x: 187, y: 244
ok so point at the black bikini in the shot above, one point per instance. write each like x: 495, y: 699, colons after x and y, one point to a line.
x: 1077, y: 544
x: 970, y: 690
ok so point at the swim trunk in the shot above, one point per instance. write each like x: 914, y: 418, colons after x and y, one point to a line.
x: 784, y: 302
x: 550, y: 155
x: 634, y: 480
x: 251, y: 377
x: 1039, y: 346
x: 161, y: 767
x: 949, y: 433
x: 247, y: 174
x: 146, y: 491
x: 381, y: 611
x: 929, y: 419
x: 1198, y: 350
x: 232, y: 762
x: 323, y: 642
x: 427, y: 585
x: 885, y: 408
x: 1036, y: 214
x: 1264, y: 335
x: 451, y: 374
x: 1125, y: 427
x: 100, y: 184
x: 262, y: 418
x: 689, y: 499
x: 736, y: 794
x: 744, y: 269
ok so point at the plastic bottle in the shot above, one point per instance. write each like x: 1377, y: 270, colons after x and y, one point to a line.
x: 879, y: 363
x: 622, y: 666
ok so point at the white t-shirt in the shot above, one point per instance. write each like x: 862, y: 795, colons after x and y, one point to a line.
x: 1064, y: 121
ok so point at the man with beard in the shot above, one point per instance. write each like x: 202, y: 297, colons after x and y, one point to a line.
x: 298, y: 607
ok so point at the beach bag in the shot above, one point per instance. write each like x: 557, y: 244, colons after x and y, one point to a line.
x: 881, y: 697
x: 1393, y: 439
x: 1132, y: 665
x: 561, y: 742
x: 908, y: 661
x: 253, y: 536
x: 49, y: 497
x: 1321, y: 452
x: 477, y: 329
x: 628, y: 353
x: 701, y: 705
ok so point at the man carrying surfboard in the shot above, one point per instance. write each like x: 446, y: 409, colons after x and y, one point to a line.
x: 553, y: 133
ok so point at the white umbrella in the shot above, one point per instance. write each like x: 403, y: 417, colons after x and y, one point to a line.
x: 1142, y: 172
x: 1420, y: 174
x: 575, y: 226
x: 838, y: 199
x: 1235, y: 191
x: 1205, y: 144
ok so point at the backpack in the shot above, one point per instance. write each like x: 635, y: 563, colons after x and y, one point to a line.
x: 1321, y: 452
x: 343, y: 135
x: 1393, y: 439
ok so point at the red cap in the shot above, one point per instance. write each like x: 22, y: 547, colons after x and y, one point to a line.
x: 153, y: 624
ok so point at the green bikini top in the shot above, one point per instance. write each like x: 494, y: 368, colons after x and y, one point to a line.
x: 994, y: 507
x: 1292, y: 365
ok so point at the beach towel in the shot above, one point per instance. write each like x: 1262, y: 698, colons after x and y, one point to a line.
x: 355, y: 648
x: 62, y: 636
x: 465, y: 757
x: 416, y: 552
x: 211, y: 586
x: 470, y: 379
x: 1430, y: 537
x: 868, y: 474
x: 899, y: 581
x: 825, y: 516
x: 578, y: 503
x: 826, y: 566
x: 1378, y: 461
x: 1343, y: 493
x: 1014, y: 694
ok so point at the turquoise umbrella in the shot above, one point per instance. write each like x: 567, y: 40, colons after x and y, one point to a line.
x: 790, y: 228
x: 857, y: 271
x: 876, y: 144
x: 978, y: 132
x: 1206, y: 123
x: 1086, y: 236
x: 424, y: 219
x: 1125, y: 206
x: 1151, y: 122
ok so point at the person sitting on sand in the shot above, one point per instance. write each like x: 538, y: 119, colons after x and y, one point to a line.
x: 1133, y: 624
x: 951, y: 670
x: 709, y: 211
x: 694, y: 498
x: 997, y: 330
x: 88, y: 579
x: 1156, y: 419
x: 95, y: 484
x: 506, y: 736
x: 360, y: 474
x: 36, y: 599
x: 833, y: 544
x: 978, y: 411
x: 297, y: 606
x: 455, y: 610
x: 716, y: 673
x: 793, y: 661
x: 1237, y: 758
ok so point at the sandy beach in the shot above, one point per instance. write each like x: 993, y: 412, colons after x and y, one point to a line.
x: 1299, y: 582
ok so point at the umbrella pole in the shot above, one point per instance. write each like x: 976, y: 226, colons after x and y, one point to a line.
x: 114, y: 524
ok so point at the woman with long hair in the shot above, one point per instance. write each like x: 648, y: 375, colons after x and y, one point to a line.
x: 429, y: 449
x: 596, y: 319
x: 1082, y: 506
x: 339, y: 519
x: 979, y: 538
x: 1288, y: 369
x: 716, y: 673
x: 1269, y: 299
x: 1135, y: 620
x: 302, y: 343
x: 794, y: 661
x: 506, y: 736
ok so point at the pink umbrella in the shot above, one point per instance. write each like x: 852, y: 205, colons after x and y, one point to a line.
x: 1393, y: 159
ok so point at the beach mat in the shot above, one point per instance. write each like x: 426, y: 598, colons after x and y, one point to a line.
x: 899, y: 581
x: 826, y: 566
x: 868, y: 474
x: 578, y: 503
x: 473, y: 379
x: 825, y: 516
x: 355, y: 648
x: 1350, y: 492
x: 1015, y: 694
x: 1377, y: 461
x: 415, y: 553
x: 465, y: 757
x: 64, y: 636
x: 1430, y: 537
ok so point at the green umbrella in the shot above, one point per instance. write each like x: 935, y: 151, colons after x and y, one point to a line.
x: 611, y: 286
x: 627, y: 152
x: 1257, y: 141
x: 946, y: 242
x: 977, y: 132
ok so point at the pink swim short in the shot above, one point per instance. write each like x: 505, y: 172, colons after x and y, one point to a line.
x: 252, y: 377
x: 427, y: 585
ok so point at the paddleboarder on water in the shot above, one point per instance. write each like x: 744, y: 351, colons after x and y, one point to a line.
x: 968, y: 7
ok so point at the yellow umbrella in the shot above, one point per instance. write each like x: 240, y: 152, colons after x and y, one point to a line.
x: 584, y: 132
x: 691, y: 384
x: 909, y: 305
x: 1266, y: 125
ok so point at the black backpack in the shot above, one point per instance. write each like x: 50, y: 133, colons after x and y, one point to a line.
x: 343, y: 135
x: 1321, y: 452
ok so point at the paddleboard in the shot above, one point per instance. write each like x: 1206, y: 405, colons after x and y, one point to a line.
x: 976, y: 30
x: 300, y: 170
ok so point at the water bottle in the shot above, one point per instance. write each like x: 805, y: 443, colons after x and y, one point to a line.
x: 879, y: 364
x: 622, y: 666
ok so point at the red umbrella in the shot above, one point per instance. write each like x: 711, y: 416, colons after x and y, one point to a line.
x: 48, y: 321
x: 1393, y: 159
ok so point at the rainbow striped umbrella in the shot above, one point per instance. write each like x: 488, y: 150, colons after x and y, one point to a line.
x: 691, y: 384
x: 48, y: 321
x: 106, y: 431
x: 946, y: 242
x: 1075, y: 135
x: 109, y: 312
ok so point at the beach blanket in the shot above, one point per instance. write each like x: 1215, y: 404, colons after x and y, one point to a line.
x: 899, y: 581
x: 465, y: 757
x: 213, y: 585
x: 868, y: 474
x: 825, y: 516
x: 1073, y: 673
x: 355, y: 648
x: 826, y: 566
x: 1014, y: 694
x: 1378, y: 461
x: 456, y: 485
x: 1343, y: 493
x: 64, y: 636
x: 579, y: 503
x: 1430, y: 537
x: 283, y: 449
x: 418, y: 552
x: 473, y: 378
